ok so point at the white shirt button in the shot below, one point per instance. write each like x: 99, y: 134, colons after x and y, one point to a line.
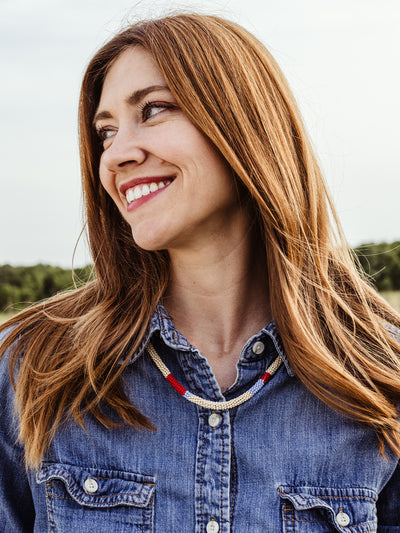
x: 343, y: 519
x: 212, y: 527
x: 91, y: 485
x: 214, y: 419
x: 258, y: 347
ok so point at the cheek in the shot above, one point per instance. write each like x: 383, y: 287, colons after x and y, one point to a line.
x: 107, y: 179
x: 204, y: 152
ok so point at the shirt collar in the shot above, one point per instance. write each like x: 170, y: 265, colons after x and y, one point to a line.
x: 161, y: 322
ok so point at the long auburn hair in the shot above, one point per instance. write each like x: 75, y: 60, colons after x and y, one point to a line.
x: 334, y: 326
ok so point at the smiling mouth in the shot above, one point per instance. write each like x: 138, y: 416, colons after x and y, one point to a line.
x: 137, y: 192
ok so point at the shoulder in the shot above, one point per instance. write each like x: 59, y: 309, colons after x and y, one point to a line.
x: 5, y: 382
x: 393, y: 330
x: 8, y: 429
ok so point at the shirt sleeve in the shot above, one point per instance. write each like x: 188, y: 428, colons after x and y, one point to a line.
x: 16, y: 506
x: 388, y: 505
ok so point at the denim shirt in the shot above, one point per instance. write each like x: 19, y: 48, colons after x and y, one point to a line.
x: 280, y: 462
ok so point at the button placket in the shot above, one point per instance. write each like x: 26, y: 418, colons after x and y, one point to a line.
x: 214, y: 420
x: 213, y: 461
x: 212, y: 526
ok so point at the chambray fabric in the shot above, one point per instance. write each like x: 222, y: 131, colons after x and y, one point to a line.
x: 281, y: 462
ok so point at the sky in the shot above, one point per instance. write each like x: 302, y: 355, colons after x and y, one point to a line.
x: 341, y: 58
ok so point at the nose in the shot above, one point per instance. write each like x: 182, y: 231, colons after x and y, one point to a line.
x: 124, y: 149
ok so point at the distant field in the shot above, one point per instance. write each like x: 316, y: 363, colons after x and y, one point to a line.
x: 5, y: 316
x: 393, y: 297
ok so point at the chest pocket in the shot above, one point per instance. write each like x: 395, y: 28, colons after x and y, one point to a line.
x: 324, y: 510
x: 105, y: 501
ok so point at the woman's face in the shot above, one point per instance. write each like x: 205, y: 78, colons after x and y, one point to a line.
x: 168, y: 181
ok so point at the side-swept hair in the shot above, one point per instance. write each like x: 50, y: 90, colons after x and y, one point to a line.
x: 334, y: 326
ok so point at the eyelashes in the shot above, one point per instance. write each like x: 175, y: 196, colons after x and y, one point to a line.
x: 146, y: 110
x: 149, y: 109
x: 104, y: 133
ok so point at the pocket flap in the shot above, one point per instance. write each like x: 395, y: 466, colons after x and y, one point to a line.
x: 303, y: 500
x: 347, y: 509
x: 95, y: 487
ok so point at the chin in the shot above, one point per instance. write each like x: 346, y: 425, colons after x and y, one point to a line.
x: 148, y: 241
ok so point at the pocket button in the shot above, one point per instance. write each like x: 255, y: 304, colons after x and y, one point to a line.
x: 343, y: 519
x: 91, y: 485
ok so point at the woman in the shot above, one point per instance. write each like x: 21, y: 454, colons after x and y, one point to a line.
x: 210, y: 231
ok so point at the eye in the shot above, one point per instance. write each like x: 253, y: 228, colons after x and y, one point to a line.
x: 151, y: 109
x: 105, y: 132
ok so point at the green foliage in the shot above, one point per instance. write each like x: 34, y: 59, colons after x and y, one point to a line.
x: 21, y: 286
x: 382, y: 263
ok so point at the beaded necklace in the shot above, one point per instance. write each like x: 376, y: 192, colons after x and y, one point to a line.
x: 208, y: 404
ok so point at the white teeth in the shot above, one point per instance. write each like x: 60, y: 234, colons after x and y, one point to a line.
x: 130, y: 196
x: 143, y: 190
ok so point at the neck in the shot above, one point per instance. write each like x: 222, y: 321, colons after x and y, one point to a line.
x: 218, y: 296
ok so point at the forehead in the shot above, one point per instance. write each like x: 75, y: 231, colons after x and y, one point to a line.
x: 134, y: 69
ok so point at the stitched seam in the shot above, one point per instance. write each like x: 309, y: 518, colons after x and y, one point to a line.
x: 287, y: 518
x: 107, y: 478
x: 355, y: 528
x: 64, y: 498
x: 298, y: 520
x: 191, y: 381
x: 234, y: 469
x: 301, y: 520
x: 152, y: 513
x: 222, y: 471
x: 121, y: 504
x: 201, y: 477
x: 334, y: 497
x: 209, y: 375
x: 102, y: 504
x: 93, y: 497
x: 50, y: 510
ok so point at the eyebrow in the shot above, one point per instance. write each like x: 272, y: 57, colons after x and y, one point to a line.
x: 132, y: 99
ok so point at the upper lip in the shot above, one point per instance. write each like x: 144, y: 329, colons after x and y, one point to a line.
x: 141, y: 181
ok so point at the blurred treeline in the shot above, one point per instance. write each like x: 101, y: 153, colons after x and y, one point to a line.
x: 382, y: 263
x: 22, y: 285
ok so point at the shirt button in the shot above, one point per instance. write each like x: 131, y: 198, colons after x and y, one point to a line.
x: 258, y: 347
x: 91, y: 485
x: 212, y: 526
x: 343, y: 519
x: 214, y: 419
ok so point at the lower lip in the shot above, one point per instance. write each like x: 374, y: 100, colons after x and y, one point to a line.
x: 140, y: 201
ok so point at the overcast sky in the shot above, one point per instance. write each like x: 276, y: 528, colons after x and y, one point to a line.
x: 341, y: 58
